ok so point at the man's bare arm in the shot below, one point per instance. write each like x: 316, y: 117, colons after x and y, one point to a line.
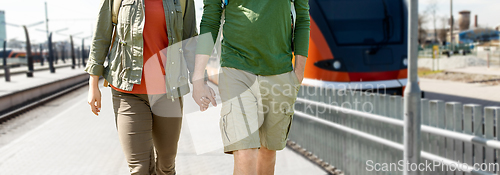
x: 300, y: 64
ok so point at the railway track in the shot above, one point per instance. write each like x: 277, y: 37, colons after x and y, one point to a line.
x: 27, y: 107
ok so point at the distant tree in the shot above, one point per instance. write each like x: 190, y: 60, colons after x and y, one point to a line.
x: 443, y: 32
x: 431, y: 10
x: 15, y: 44
x: 422, y: 34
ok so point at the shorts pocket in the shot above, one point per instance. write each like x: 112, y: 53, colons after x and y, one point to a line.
x: 288, y: 110
x: 287, y: 121
x: 225, y: 111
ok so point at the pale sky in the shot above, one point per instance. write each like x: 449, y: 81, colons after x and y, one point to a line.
x: 79, y: 15
x: 488, y: 11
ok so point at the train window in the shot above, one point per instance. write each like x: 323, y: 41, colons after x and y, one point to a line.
x: 364, y: 22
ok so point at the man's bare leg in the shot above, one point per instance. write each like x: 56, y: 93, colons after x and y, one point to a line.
x: 266, y: 161
x: 245, y: 162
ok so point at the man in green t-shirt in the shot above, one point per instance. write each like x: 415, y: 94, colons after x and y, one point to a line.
x: 258, y: 83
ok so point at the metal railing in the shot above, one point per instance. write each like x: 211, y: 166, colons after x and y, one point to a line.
x: 52, y: 57
x: 353, y: 130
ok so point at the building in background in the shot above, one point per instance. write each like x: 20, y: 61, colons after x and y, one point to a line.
x: 3, y: 30
x: 465, y: 34
x: 464, y: 20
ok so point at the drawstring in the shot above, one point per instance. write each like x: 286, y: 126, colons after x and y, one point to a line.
x: 121, y: 44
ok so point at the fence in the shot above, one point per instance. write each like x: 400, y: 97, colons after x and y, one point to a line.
x: 427, y: 53
x: 361, y: 131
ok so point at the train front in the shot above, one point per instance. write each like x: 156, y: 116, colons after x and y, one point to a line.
x: 358, y: 44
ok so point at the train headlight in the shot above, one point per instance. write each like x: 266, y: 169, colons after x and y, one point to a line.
x: 336, y: 65
x: 405, y: 61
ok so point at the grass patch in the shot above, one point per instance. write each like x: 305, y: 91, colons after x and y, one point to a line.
x: 427, y: 71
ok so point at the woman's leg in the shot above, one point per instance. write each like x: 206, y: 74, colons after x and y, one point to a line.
x: 134, y: 124
x: 167, y: 121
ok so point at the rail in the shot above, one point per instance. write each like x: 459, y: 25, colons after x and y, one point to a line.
x: 351, y: 129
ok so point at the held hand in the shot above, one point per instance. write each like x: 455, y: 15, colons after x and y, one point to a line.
x: 203, y: 95
x: 300, y: 63
x: 94, y: 100
x: 300, y: 75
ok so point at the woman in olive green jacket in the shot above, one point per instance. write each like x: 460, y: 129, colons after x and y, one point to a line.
x: 147, y: 104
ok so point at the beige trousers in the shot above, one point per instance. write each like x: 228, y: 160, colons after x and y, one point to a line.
x: 148, y: 128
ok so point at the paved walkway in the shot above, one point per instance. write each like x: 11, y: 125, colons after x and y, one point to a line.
x: 77, y: 142
x: 470, y: 90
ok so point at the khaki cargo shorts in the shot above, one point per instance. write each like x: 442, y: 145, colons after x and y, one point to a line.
x: 256, y: 110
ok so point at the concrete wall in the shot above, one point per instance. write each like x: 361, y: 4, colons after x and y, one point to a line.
x: 454, y: 62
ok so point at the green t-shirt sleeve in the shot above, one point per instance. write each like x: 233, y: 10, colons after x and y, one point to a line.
x: 302, y: 27
x: 209, y: 26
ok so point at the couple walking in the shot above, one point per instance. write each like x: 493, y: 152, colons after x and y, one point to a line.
x: 149, y: 68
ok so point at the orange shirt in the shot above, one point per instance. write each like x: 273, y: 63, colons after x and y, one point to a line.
x: 155, y: 39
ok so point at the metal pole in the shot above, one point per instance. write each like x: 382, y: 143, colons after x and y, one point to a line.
x: 77, y: 53
x: 83, y: 53
x: 412, y: 96
x: 5, y: 66
x: 4, y: 53
x: 434, y: 20
x: 63, y: 52
x: 46, y: 19
x: 56, y: 53
x: 452, y: 21
x: 437, y: 62
x: 73, y: 59
x: 51, y: 55
x: 35, y: 56
x: 41, y: 55
x: 28, y: 53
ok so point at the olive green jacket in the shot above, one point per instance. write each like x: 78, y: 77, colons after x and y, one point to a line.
x: 125, y: 65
